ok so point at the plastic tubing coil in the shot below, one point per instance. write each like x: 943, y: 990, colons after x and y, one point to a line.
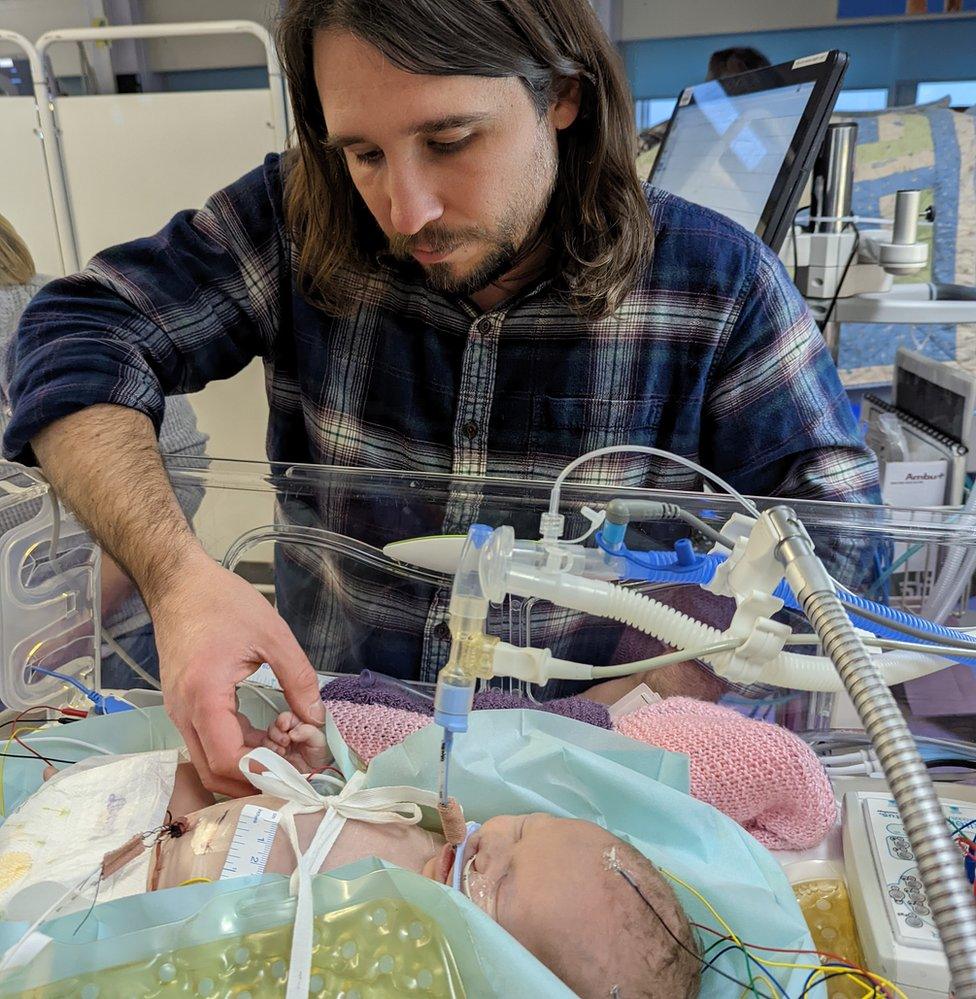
x: 662, y: 567
x: 956, y: 571
x: 892, y: 614
x: 790, y: 670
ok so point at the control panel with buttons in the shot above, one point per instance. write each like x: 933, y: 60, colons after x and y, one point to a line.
x: 892, y: 912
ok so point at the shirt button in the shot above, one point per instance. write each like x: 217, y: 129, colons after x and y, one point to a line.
x: 470, y: 430
x: 484, y: 326
x: 442, y: 631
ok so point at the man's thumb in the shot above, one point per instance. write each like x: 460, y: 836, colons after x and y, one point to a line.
x: 299, y: 683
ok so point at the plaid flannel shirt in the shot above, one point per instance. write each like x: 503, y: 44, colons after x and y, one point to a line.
x: 713, y: 355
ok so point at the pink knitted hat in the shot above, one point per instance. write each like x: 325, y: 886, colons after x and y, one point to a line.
x: 759, y: 774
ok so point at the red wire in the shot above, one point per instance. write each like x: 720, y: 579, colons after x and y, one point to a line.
x: 793, y: 950
x: 30, y: 749
x: 38, y: 707
x: 74, y: 712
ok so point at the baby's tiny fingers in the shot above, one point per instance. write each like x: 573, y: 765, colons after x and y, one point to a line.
x: 306, y: 733
x: 277, y: 736
x: 287, y: 720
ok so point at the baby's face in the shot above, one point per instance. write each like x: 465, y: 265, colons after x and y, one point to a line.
x: 548, y: 881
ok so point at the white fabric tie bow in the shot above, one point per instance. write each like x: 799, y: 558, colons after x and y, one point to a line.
x: 381, y: 805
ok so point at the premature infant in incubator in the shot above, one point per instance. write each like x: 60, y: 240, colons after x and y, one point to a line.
x: 590, y: 907
x: 555, y: 884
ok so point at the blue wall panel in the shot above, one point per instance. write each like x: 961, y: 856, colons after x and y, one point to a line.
x: 881, y: 54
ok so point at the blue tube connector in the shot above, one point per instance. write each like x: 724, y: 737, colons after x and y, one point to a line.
x: 613, y: 536
x: 684, y: 565
x: 452, y: 705
x: 684, y: 552
x: 105, y: 704
x: 479, y: 534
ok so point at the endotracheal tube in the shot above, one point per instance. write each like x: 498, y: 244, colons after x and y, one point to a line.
x: 494, y: 565
x: 471, y: 651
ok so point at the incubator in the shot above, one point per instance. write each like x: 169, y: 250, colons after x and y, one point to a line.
x: 524, y: 612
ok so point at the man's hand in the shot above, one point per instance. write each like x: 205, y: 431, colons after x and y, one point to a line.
x: 213, y: 629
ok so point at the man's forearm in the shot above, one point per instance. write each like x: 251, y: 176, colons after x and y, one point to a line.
x: 105, y: 465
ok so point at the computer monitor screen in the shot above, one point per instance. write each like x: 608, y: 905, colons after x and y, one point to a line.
x: 15, y: 77
x: 744, y: 145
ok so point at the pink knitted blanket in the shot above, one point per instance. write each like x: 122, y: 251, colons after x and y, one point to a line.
x: 759, y: 774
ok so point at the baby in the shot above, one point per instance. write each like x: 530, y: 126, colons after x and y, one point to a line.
x: 590, y: 907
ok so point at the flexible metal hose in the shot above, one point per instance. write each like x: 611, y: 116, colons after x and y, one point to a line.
x: 949, y: 894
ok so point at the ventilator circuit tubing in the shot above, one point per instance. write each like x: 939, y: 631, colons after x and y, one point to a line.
x: 956, y: 571
x: 664, y: 567
x: 949, y: 893
x: 789, y: 669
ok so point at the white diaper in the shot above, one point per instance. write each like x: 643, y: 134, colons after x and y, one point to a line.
x: 60, y: 834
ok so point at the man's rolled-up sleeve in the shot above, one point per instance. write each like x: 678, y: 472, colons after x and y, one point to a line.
x: 158, y: 316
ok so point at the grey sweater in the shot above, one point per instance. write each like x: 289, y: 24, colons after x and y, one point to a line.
x: 178, y: 435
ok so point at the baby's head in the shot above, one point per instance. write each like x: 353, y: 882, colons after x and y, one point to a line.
x: 571, y: 893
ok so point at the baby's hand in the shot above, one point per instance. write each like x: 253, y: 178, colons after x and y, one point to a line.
x: 302, y: 745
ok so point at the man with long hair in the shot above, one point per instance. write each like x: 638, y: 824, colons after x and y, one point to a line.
x: 456, y: 271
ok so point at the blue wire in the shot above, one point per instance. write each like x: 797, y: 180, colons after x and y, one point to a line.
x: 878, y: 586
x: 961, y: 829
x: 105, y: 704
x: 880, y: 582
x: 67, y: 679
x: 710, y: 962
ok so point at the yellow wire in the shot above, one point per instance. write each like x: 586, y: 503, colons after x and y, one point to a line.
x: 3, y: 763
x: 856, y: 975
x: 852, y: 973
x: 195, y: 881
x: 760, y: 978
x: 823, y: 969
x: 704, y: 901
